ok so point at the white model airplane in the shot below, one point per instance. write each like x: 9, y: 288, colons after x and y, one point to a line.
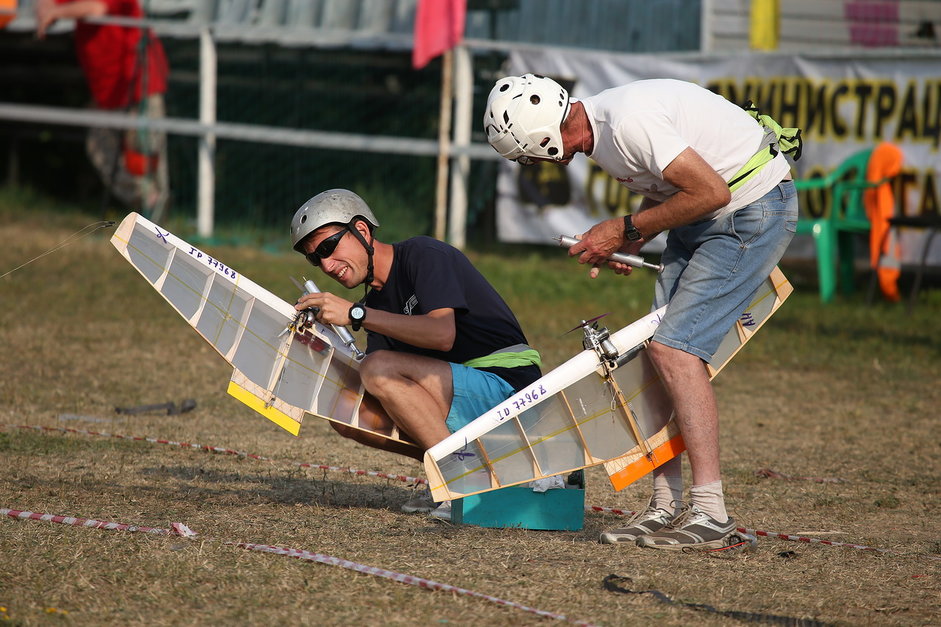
x: 284, y: 366
x: 606, y: 405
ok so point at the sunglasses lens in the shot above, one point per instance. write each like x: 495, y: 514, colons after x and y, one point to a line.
x: 325, y: 248
x: 525, y: 160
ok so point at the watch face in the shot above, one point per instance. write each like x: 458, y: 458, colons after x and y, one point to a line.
x: 357, y: 315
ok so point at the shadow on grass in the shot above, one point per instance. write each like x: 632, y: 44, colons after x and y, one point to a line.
x: 279, y: 489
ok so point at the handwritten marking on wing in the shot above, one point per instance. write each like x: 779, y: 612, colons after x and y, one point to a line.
x: 463, y: 453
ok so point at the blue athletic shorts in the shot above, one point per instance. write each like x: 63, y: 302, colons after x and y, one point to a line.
x: 475, y: 392
x: 713, y: 268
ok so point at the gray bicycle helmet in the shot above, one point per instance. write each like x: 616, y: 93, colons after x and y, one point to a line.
x: 334, y: 206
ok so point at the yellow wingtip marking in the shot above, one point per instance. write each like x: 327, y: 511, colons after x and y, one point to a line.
x: 274, y: 415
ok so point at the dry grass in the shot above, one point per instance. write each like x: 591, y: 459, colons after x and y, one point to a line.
x: 841, y: 391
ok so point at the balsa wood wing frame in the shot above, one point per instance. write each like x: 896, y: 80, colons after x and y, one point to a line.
x: 282, y: 376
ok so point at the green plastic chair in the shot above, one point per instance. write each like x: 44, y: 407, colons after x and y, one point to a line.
x: 844, y: 218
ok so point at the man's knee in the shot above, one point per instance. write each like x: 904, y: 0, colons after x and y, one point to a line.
x: 667, y: 357
x: 660, y: 353
x: 375, y: 366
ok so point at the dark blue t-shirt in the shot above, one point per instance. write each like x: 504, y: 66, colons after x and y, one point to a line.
x: 428, y: 274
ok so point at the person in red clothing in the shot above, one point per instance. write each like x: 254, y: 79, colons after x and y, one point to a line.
x: 126, y: 70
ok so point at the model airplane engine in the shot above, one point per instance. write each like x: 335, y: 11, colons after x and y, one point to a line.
x: 599, y: 340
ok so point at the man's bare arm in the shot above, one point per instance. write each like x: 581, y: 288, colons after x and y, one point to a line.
x: 701, y: 191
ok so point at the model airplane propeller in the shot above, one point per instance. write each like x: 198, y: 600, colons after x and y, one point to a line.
x: 585, y: 323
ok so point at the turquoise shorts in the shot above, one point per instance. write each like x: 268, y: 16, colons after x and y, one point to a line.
x: 475, y: 392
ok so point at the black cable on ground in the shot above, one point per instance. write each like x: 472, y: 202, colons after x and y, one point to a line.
x: 616, y: 583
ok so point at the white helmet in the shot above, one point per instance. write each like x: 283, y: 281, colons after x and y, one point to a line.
x: 524, y: 117
x: 334, y: 206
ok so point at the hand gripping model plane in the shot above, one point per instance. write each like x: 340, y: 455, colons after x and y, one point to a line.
x: 286, y: 364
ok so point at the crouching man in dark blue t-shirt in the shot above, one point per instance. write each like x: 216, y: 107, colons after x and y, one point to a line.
x: 442, y: 346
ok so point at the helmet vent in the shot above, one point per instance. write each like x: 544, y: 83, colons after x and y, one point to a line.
x: 553, y: 151
x: 504, y: 86
x: 506, y: 118
x: 534, y: 99
x: 303, y: 218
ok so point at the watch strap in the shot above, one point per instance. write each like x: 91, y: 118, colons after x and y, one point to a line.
x: 630, y: 231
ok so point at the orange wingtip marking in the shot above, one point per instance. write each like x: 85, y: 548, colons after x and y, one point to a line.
x: 660, y: 455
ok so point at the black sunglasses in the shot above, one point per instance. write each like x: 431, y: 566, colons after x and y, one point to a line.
x: 325, y: 248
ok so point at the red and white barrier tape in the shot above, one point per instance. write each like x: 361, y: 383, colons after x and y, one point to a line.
x: 224, y: 451
x: 419, y: 480
x: 785, y: 536
x: 847, y: 545
x: 399, y: 577
x: 179, y: 529
x: 176, y: 529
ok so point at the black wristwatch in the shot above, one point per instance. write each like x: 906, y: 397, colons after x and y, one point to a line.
x: 357, y: 315
x: 630, y: 231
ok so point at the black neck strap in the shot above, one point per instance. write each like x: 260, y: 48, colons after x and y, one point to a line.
x: 369, y: 252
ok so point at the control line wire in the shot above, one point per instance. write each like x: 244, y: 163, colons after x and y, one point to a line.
x: 74, y: 237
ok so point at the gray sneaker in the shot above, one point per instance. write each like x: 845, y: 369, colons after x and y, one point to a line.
x: 421, y: 503
x: 642, y: 523
x: 693, y: 529
x: 442, y: 512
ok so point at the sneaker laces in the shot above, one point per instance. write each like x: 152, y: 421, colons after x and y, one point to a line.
x: 686, y: 513
x: 651, y: 512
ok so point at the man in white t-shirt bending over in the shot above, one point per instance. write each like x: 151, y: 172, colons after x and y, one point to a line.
x: 715, y: 178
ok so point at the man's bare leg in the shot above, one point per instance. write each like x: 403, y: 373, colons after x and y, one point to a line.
x: 697, y: 415
x: 415, y: 391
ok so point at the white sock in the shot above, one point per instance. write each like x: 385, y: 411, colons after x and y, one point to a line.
x: 668, y: 486
x: 709, y: 499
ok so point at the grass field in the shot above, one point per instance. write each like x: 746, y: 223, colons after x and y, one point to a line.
x: 845, y: 391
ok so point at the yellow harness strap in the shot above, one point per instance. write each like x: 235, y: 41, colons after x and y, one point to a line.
x: 787, y: 140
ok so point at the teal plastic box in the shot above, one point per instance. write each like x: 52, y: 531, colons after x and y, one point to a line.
x: 557, y: 510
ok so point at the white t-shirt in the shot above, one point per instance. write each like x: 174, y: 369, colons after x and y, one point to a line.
x: 641, y: 127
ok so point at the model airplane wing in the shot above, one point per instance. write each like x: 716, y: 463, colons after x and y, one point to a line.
x: 606, y: 405
x: 564, y: 421
x: 279, y: 371
x: 668, y: 443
